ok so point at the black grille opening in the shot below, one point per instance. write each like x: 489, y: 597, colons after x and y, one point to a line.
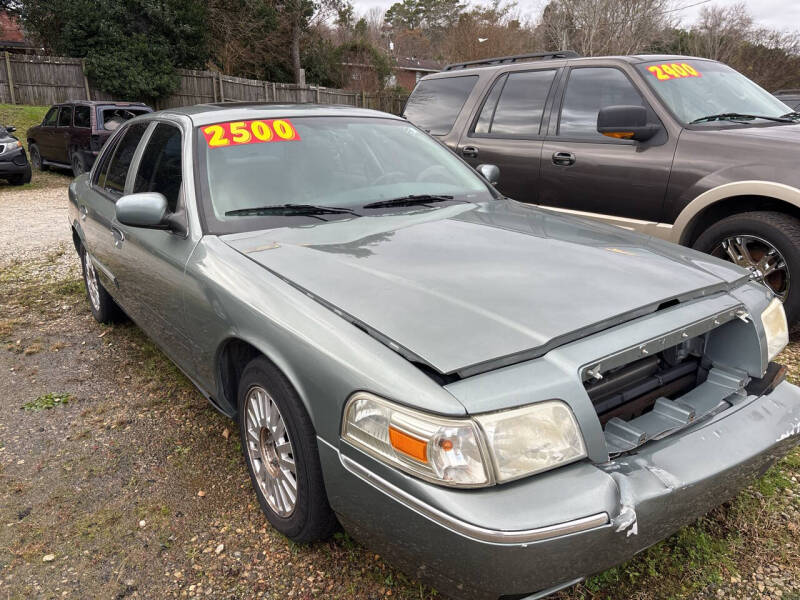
x: 631, y: 390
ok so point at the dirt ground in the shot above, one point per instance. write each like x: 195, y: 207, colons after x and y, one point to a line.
x: 118, y: 480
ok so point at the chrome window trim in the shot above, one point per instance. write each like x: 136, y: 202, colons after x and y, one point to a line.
x: 475, y: 532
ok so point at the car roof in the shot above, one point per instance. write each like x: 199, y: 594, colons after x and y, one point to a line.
x: 523, y: 65
x: 102, y: 103
x: 205, y: 114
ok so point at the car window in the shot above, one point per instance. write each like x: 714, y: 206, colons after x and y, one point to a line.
x: 516, y: 111
x: 51, y: 117
x: 65, y: 116
x: 160, y: 167
x: 114, y: 179
x: 435, y: 103
x: 82, y: 118
x: 589, y: 90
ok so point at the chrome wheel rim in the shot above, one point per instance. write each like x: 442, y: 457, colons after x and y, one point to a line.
x: 270, y: 451
x: 764, y: 261
x: 91, y: 282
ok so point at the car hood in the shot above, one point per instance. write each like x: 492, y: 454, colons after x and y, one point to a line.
x: 465, y: 287
x: 766, y: 132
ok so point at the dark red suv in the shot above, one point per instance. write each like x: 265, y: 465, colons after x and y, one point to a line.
x: 72, y: 133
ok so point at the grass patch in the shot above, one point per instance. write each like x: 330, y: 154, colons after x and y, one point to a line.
x: 47, y: 401
x: 23, y: 118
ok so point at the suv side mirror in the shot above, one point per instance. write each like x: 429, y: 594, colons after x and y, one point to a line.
x: 626, y: 123
x: 10, y: 128
x: 148, y: 209
x: 491, y: 173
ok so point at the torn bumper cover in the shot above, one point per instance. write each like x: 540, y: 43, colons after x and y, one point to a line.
x: 545, y: 532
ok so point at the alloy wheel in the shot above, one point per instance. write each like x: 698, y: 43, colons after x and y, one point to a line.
x: 270, y: 451
x: 92, y: 285
x: 765, y: 263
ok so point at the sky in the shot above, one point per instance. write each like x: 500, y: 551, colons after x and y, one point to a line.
x: 776, y: 14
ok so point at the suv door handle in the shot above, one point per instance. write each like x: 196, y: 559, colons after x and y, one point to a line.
x: 118, y: 236
x: 563, y: 159
x: 470, y: 151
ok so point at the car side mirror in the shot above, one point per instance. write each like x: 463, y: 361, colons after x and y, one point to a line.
x: 491, y: 173
x: 10, y: 128
x: 148, y: 209
x: 626, y: 123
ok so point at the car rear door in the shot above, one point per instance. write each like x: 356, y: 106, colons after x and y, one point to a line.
x: 149, y: 263
x: 583, y: 170
x: 508, y: 130
x: 98, y: 208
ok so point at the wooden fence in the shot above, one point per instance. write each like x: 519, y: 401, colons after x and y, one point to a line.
x: 45, y: 80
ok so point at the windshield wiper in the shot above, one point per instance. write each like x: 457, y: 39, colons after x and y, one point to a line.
x: 794, y: 115
x: 288, y: 209
x: 732, y: 116
x: 411, y: 200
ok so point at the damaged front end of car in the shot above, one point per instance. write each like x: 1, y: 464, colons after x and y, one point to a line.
x: 678, y: 411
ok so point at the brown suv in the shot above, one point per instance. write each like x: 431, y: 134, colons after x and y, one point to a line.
x: 681, y: 148
x: 72, y: 133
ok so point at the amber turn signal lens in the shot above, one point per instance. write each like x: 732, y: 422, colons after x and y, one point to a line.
x: 408, y: 445
x: 620, y: 135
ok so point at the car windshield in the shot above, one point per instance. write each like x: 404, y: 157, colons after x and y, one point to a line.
x: 697, y: 90
x: 324, y: 168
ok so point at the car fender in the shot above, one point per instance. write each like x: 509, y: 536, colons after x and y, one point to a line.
x: 767, y: 189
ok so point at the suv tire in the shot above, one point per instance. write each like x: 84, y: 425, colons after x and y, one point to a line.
x: 78, y: 163
x: 778, y: 230
x: 22, y: 178
x: 279, y: 444
x: 36, y: 158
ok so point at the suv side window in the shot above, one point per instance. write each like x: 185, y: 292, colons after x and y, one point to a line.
x: 82, y: 118
x: 588, y: 90
x: 160, y: 166
x: 435, y: 103
x: 515, y: 106
x: 65, y: 116
x: 51, y: 117
x: 113, y: 181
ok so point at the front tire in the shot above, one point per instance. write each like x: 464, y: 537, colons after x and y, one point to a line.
x: 36, y: 158
x: 280, y: 447
x: 102, y: 305
x: 22, y: 178
x: 765, y: 242
x: 78, y: 164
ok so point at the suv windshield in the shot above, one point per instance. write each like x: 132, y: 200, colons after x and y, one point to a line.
x: 698, y: 89
x: 261, y: 172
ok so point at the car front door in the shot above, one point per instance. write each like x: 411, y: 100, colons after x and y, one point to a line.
x: 507, y: 131
x: 149, y: 263
x: 61, y: 139
x: 46, y: 132
x: 582, y: 170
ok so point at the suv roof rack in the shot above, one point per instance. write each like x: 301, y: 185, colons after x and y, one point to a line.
x: 499, y: 60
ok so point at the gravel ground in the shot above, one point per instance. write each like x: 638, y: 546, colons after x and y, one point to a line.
x: 118, y: 480
x: 32, y: 221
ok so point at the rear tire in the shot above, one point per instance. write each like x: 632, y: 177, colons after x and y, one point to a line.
x: 281, y: 453
x: 36, y: 158
x: 78, y: 164
x: 102, y: 305
x: 763, y: 229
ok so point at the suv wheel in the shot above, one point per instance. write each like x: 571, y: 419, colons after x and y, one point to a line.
x: 78, y: 164
x: 767, y: 244
x: 22, y: 178
x: 280, y: 447
x: 36, y: 158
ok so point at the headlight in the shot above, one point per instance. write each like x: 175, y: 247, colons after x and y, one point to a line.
x: 532, y: 439
x: 464, y: 452
x: 774, y: 320
x: 11, y: 146
x: 441, y: 450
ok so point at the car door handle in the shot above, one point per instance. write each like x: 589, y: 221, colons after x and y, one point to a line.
x: 470, y: 151
x: 118, y: 236
x: 84, y: 212
x: 563, y: 159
